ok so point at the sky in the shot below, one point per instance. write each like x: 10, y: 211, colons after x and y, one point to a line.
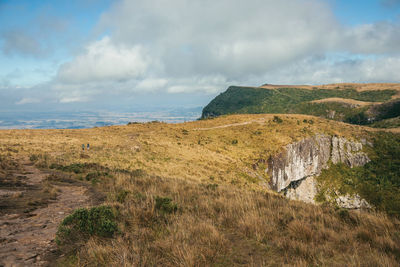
x: 133, y: 55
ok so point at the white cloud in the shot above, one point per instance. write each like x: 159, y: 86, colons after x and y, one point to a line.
x: 28, y: 100
x: 182, y: 46
x: 348, y: 68
x: 151, y: 84
x: 73, y: 99
x: 230, y: 37
x: 104, y: 60
x: 377, y: 38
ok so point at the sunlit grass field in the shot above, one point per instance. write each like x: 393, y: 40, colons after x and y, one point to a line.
x: 187, y: 195
x: 221, y: 149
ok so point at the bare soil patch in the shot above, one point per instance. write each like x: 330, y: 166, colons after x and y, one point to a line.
x: 32, y: 206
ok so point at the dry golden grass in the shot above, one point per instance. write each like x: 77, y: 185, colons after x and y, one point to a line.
x: 358, y: 86
x: 225, y: 226
x: 345, y: 100
x: 223, y: 149
x: 224, y: 216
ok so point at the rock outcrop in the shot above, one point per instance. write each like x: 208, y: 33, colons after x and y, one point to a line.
x: 292, y: 171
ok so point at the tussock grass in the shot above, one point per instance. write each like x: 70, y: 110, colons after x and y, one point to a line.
x: 232, y: 226
x: 215, y: 210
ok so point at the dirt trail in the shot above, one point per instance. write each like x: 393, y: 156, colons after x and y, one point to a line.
x: 26, y: 237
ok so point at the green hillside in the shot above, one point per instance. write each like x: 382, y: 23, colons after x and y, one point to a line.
x: 254, y: 100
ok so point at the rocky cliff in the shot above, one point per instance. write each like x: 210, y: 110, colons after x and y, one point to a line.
x: 292, y: 171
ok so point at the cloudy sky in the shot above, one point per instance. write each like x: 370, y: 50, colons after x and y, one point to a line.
x: 143, y: 54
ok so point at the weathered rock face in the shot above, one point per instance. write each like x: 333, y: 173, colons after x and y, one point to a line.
x: 352, y: 202
x: 299, y: 161
x: 293, y: 170
x: 348, y: 152
x: 304, y: 190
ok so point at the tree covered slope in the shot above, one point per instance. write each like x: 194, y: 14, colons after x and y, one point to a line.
x: 357, y: 107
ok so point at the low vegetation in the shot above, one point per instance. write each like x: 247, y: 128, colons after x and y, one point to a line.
x: 188, y: 195
x: 378, y: 181
x: 84, y: 223
x: 387, y: 123
x: 256, y: 100
x: 198, y: 224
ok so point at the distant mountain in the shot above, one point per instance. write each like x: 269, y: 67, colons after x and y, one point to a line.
x: 353, y: 103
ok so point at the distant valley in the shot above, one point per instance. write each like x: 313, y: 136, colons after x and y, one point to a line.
x: 86, y: 119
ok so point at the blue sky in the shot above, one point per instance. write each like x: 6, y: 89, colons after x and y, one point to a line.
x: 355, y: 12
x: 133, y: 53
x: 60, y: 29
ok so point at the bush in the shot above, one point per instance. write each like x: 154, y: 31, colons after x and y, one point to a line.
x: 33, y: 157
x: 277, y: 119
x: 165, y: 205
x: 93, y: 176
x: 83, y: 223
x: 234, y: 142
x: 212, y: 187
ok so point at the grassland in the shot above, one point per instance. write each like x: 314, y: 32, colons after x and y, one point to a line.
x: 187, y: 195
x: 353, y: 104
x: 345, y: 100
x: 175, y: 150
x: 223, y: 225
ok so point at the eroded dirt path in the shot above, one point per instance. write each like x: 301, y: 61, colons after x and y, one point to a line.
x: 27, y: 233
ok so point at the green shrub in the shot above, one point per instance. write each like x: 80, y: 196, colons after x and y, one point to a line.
x: 92, y: 176
x: 33, y: 157
x: 165, y: 205
x: 277, y: 119
x: 212, y: 187
x: 83, y: 223
x: 234, y: 142
x: 79, y: 168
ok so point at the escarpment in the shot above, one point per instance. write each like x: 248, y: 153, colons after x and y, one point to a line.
x: 292, y: 171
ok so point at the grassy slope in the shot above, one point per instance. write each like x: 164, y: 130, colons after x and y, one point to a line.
x: 224, y: 226
x: 387, y: 123
x: 301, y: 101
x: 177, y: 150
x: 223, y: 216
